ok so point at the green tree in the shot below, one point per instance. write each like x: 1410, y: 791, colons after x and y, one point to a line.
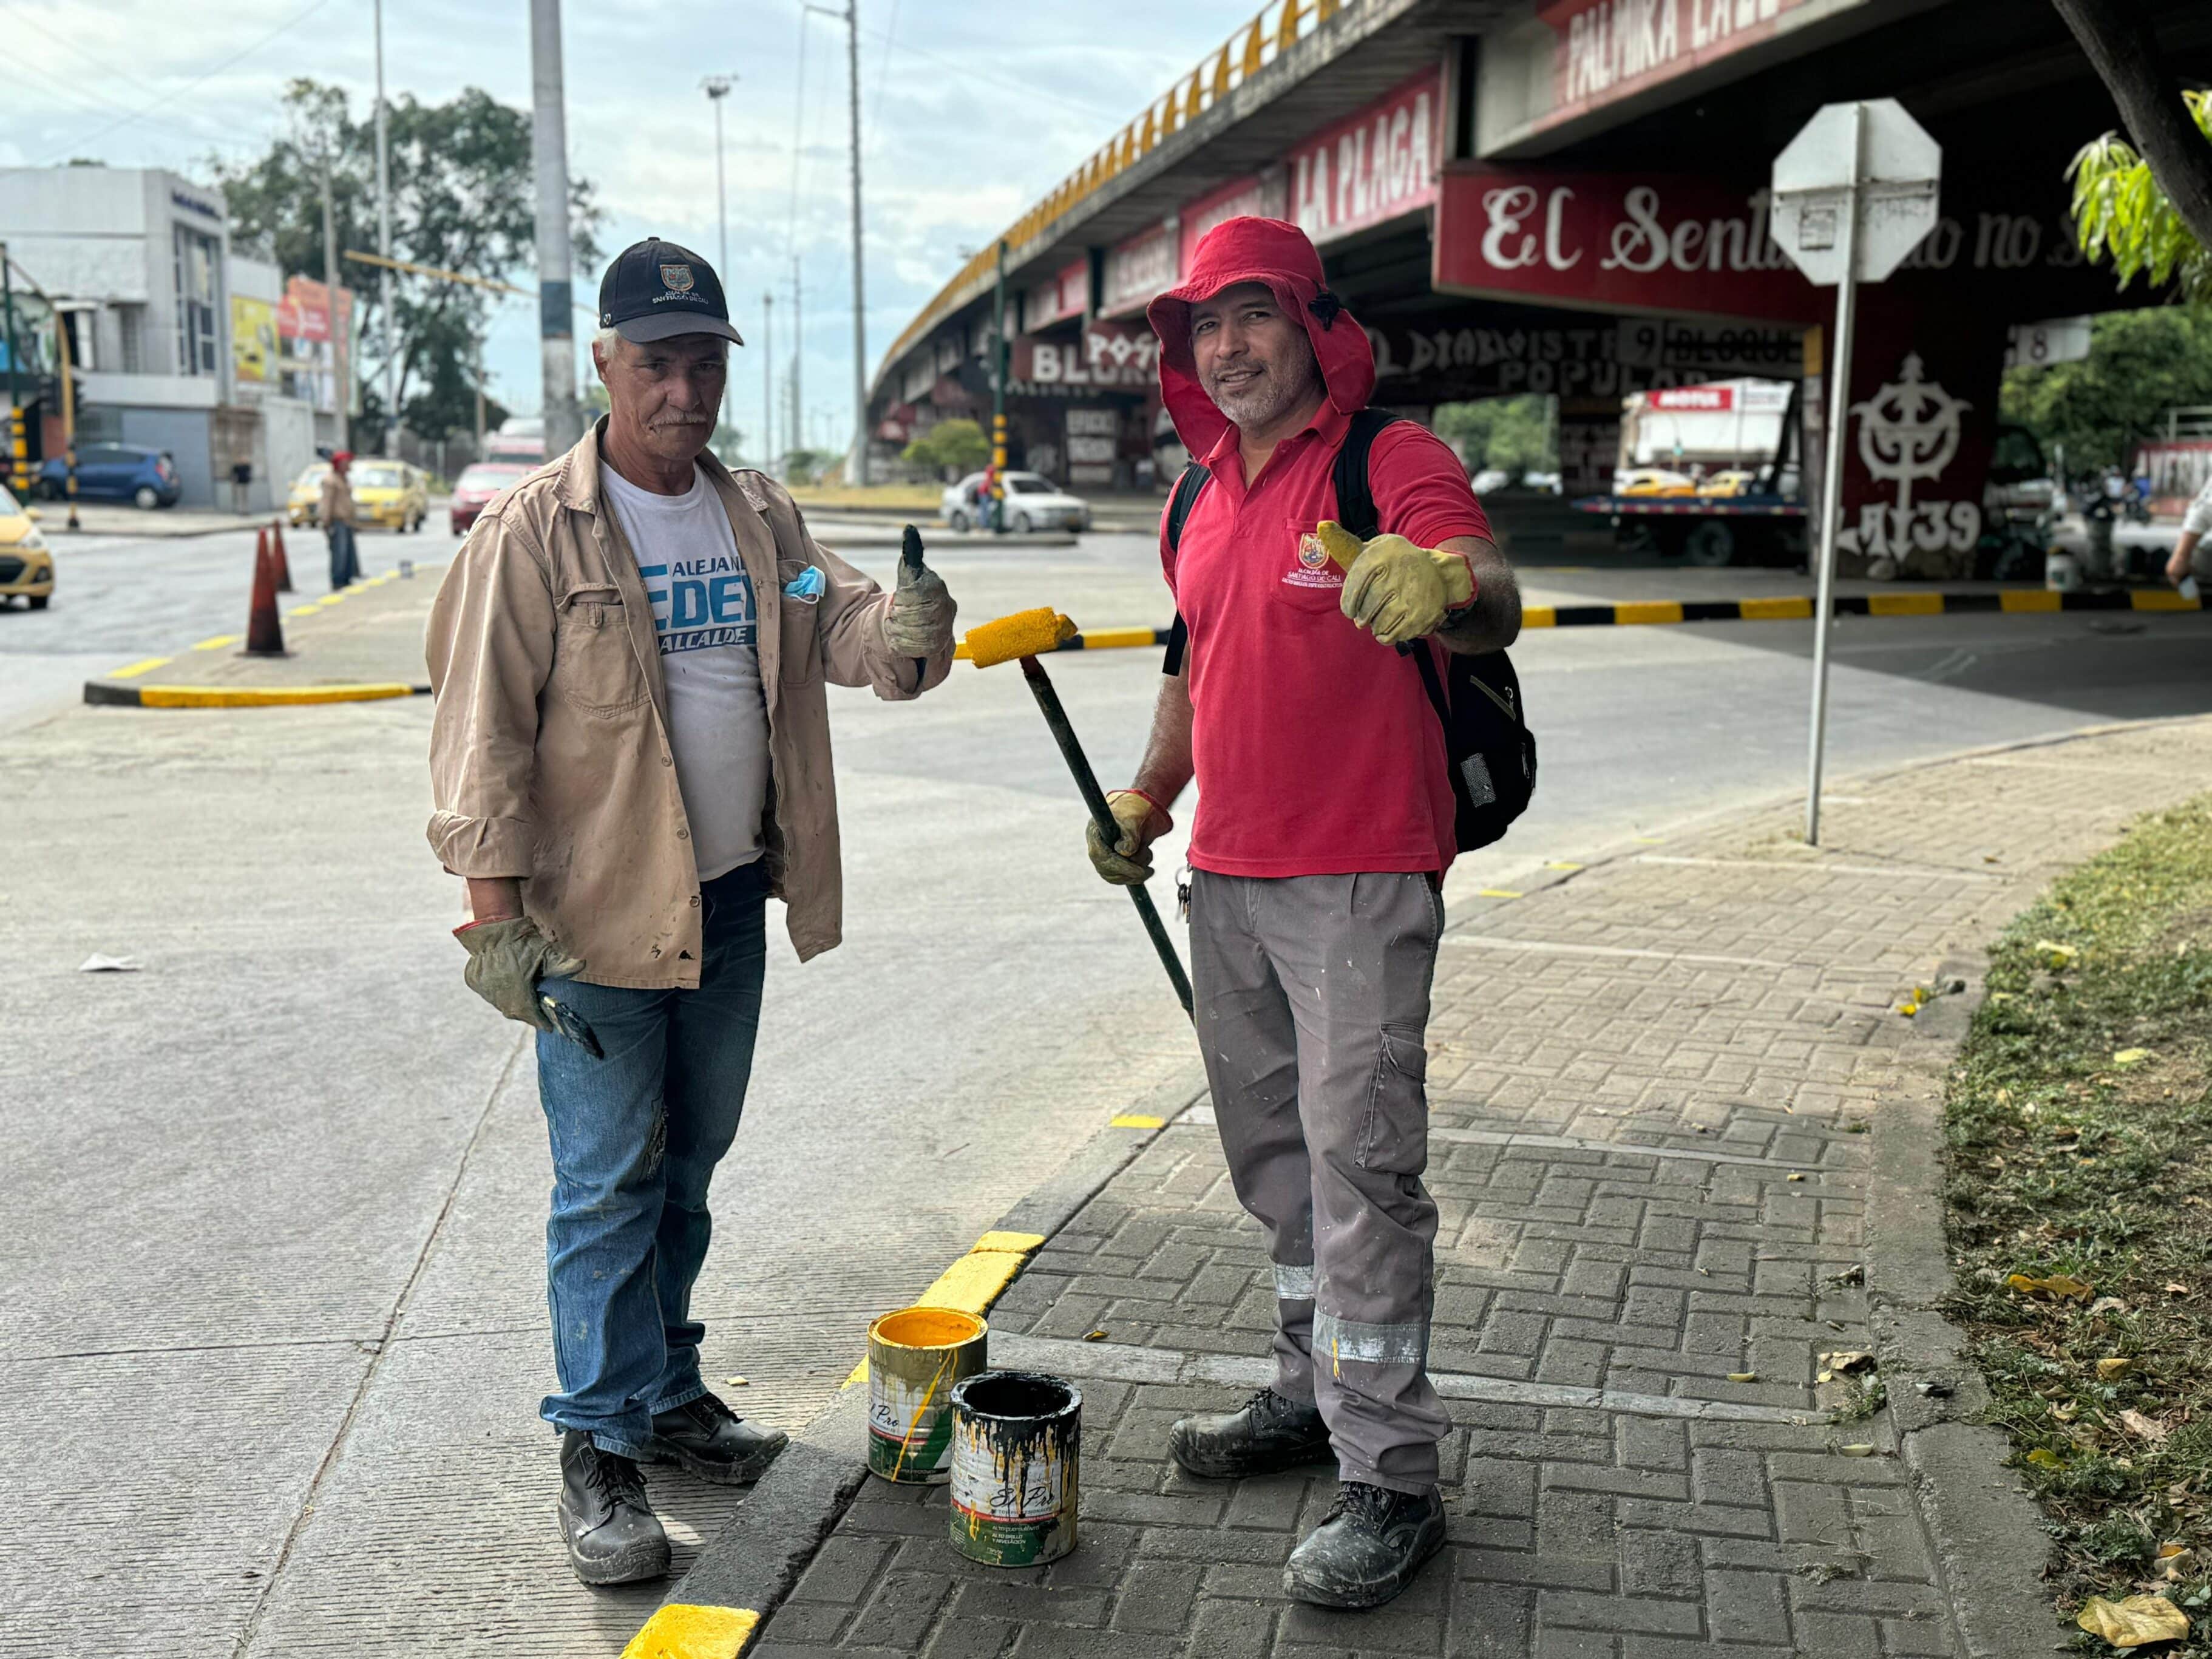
x: 954, y: 447
x: 2122, y: 214
x: 462, y: 197
x: 1513, y: 434
x: 2141, y: 364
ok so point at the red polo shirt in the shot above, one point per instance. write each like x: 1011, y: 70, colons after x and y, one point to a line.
x: 1317, y: 752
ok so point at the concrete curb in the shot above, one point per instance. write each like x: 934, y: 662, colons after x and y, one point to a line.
x: 107, y: 694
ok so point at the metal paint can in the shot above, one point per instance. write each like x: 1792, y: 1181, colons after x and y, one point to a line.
x: 1016, y: 1438
x: 915, y: 1357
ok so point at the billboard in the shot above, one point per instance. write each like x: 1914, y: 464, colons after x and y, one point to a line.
x: 253, y: 352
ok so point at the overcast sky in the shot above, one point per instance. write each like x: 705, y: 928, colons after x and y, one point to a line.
x: 970, y: 109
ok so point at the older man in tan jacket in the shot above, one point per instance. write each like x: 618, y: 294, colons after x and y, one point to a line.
x: 630, y: 754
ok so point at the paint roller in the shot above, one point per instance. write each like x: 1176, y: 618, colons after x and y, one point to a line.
x: 1023, y: 637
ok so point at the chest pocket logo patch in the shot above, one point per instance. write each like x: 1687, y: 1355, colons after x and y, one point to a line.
x: 1314, y: 568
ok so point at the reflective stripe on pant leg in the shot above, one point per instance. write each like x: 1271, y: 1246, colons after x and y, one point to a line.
x: 1355, y: 954
x: 1248, y: 1045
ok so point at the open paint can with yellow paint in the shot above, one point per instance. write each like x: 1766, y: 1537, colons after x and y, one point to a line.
x: 1016, y: 1438
x: 916, y: 1357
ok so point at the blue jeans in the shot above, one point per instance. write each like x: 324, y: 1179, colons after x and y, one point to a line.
x: 635, y: 1139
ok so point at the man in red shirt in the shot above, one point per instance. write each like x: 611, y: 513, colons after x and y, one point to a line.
x: 1325, y: 825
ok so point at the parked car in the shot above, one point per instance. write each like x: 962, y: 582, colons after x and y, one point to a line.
x: 115, y: 472
x: 26, y: 565
x: 305, y: 498
x: 477, y: 486
x: 392, y: 494
x: 1033, y: 502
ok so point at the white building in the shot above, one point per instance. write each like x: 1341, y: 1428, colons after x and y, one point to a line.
x: 138, y: 262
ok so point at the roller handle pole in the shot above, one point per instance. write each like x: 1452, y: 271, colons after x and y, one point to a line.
x: 1086, y: 781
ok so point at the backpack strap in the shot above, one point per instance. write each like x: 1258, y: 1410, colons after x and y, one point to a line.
x: 1181, y: 499
x: 1355, y: 492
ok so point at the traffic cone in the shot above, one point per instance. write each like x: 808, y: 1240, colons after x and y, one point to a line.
x: 283, y: 564
x: 264, y: 631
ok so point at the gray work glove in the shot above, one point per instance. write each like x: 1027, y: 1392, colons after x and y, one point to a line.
x: 1128, y: 862
x: 921, y: 620
x: 506, y: 960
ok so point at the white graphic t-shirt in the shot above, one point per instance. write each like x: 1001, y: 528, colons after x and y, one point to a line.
x: 708, y: 622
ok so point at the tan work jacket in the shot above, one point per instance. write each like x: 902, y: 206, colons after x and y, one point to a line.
x: 336, y: 505
x: 549, y: 757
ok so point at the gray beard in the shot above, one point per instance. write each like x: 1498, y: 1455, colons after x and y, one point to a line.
x: 1264, y: 403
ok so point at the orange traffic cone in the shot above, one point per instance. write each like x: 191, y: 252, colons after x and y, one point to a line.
x: 283, y: 564
x: 265, y: 631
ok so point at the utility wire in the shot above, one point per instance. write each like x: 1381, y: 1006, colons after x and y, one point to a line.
x: 883, y: 76
x: 797, y: 135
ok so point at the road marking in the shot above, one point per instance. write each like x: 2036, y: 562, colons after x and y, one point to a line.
x: 1137, y: 1121
x: 1563, y: 864
x: 1905, y: 604
x: 1543, y: 947
x: 131, y: 671
x: 2028, y: 602
x: 682, y: 1631
x: 1818, y: 865
x: 1122, y: 1362
x: 1784, y: 609
x: 217, y: 643
x: 1497, y: 892
x: 1639, y: 612
x: 301, y: 611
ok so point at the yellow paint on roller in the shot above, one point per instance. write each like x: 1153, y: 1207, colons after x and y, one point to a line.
x: 2160, y: 599
x: 1118, y: 639
x: 1905, y: 604
x: 1024, y: 634
x: 247, y: 697
x: 217, y: 643
x: 1138, y: 1120
x: 131, y: 671
x: 1539, y: 616
x: 682, y: 1631
x: 1775, y: 610
x: 1646, y: 610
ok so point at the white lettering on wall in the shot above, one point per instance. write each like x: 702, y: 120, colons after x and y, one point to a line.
x: 1371, y: 173
x: 1618, y: 40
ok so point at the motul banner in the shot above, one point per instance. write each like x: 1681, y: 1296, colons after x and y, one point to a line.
x: 1371, y: 168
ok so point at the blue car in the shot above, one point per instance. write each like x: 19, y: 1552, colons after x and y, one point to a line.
x: 115, y: 472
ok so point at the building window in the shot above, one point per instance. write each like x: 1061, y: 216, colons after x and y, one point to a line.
x: 131, y: 325
x: 196, y: 258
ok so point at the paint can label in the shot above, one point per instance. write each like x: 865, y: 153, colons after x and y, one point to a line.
x: 1012, y: 1509
x: 909, y: 1427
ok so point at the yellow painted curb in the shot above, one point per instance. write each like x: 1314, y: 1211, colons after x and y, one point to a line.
x: 1905, y: 604
x: 678, y: 1632
x: 1113, y: 639
x: 1497, y: 892
x: 1648, y: 610
x: 1138, y: 1120
x: 217, y: 643
x: 131, y: 671
x: 973, y: 1283
x: 2029, y: 602
x: 1791, y: 610
x: 248, y: 697
x: 2159, y: 598
x: 1539, y: 616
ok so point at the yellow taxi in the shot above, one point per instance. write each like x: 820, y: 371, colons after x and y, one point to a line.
x: 389, y: 493
x: 26, y: 564
x: 306, y: 498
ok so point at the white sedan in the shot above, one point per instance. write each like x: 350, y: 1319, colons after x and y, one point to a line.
x: 1033, y: 502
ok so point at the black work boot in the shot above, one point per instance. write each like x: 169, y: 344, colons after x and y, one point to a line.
x: 1367, y: 1548
x: 1266, y: 1433
x: 614, y: 1537
x: 713, y: 1442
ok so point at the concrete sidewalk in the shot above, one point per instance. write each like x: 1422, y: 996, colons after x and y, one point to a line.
x: 1680, y: 1134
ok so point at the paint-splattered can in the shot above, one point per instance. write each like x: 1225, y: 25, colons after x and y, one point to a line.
x: 1016, y: 1438
x: 915, y: 1357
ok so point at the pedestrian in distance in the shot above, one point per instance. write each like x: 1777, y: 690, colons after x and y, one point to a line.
x: 629, y: 755
x: 2191, y: 566
x: 241, y: 479
x: 1325, y: 825
x: 336, y: 510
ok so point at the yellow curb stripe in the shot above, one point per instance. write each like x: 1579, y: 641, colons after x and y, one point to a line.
x: 682, y: 1631
x: 131, y: 671
x: 217, y: 643
x: 302, y: 610
x: 1791, y: 610
x: 1116, y: 639
x: 1562, y: 863
x: 1138, y: 1120
x: 1539, y: 616
x: 1905, y: 604
x: 1648, y: 610
x: 2028, y: 600
x: 2160, y: 599
x: 249, y: 696
x: 973, y: 1283
x: 1497, y: 892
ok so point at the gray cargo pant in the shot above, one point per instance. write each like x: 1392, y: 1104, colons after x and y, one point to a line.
x: 1312, y: 998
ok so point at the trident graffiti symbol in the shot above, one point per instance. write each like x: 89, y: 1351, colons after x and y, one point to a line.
x: 1908, y: 430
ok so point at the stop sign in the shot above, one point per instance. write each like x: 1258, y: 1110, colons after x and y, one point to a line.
x: 1873, y: 153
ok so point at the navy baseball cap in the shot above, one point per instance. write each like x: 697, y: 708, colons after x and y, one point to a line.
x: 655, y: 290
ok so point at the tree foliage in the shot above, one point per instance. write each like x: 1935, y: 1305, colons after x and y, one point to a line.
x: 1513, y: 434
x: 462, y: 199
x: 2121, y: 214
x: 955, y: 446
x: 2141, y: 364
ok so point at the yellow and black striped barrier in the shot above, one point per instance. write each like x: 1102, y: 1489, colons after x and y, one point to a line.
x: 1795, y: 607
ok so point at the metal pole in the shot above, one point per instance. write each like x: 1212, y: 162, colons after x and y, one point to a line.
x: 1832, y: 483
x: 717, y: 88
x: 478, y: 343
x: 998, y: 397
x: 557, y: 340
x: 19, y: 451
x: 8, y: 299
x: 798, y: 349
x: 341, y: 368
x: 859, y: 299
x: 767, y: 383
x: 391, y: 433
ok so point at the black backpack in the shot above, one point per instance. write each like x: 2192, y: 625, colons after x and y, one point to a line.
x: 1486, y: 736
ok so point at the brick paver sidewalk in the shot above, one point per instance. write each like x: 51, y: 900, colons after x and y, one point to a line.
x: 1655, y: 1090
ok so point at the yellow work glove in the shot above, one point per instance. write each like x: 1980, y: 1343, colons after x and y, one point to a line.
x: 1129, y: 863
x: 1395, y: 590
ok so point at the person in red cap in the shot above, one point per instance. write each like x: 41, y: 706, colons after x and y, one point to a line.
x: 1325, y: 825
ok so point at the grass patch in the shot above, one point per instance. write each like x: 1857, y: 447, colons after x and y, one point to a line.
x: 901, y: 498
x: 2079, y: 1124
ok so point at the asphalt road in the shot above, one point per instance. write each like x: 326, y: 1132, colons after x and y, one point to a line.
x: 272, y: 1314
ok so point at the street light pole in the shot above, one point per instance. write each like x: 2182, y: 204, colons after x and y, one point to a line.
x: 851, y: 18
x: 767, y: 383
x: 798, y: 353
x: 998, y: 397
x: 341, y: 367
x: 548, y: 132
x: 391, y: 433
x: 717, y: 88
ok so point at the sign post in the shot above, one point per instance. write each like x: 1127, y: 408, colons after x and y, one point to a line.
x: 1854, y: 193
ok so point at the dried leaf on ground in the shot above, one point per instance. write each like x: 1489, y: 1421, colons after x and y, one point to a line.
x: 2149, y: 1428
x: 2057, y: 1285
x: 1859, y: 1450
x: 2055, y: 957
x: 2043, y: 1457
x: 1743, y: 1377
x: 2134, y: 1621
x: 2112, y: 1368
x: 1847, y: 1361
x: 2130, y: 1056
